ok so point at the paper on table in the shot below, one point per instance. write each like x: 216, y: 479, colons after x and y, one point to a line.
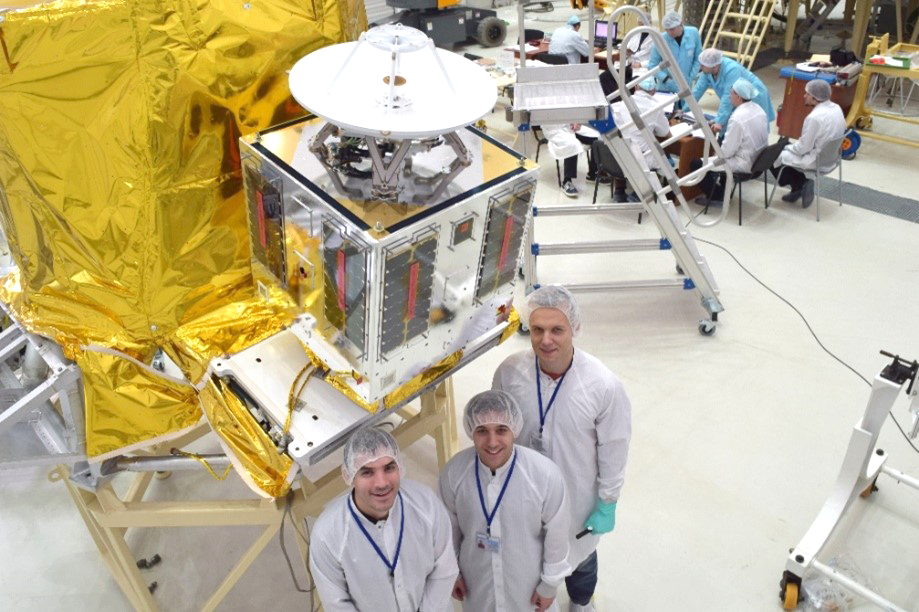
x: 663, y: 95
x: 680, y: 129
x: 805, y: 67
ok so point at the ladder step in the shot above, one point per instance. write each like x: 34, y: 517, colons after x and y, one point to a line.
x: 663, y: 283
x: 587, y: 209
x: 607, y: 246
x: 748, y: 16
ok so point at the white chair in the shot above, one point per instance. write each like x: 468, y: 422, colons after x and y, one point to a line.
x: 829, y: 157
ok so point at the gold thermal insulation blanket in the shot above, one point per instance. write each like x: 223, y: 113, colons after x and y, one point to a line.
x: 121, y: 189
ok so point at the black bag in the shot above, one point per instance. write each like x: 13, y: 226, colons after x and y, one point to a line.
x: 842, y: 57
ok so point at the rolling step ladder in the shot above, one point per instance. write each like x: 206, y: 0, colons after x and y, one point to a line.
x: 547, y: 98
x: 737, y: 27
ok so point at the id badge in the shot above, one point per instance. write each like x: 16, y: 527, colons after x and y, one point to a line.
x: 488, y: 543
x: 538, y: 443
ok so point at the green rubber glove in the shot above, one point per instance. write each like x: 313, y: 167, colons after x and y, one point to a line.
x: 603, y: 518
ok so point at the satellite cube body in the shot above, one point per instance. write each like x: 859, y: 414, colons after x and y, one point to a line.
x: 389, y: 287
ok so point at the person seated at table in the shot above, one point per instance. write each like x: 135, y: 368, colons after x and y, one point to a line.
x: 638, y: 50
x: 685, y: 44
x: 566, y: 41
x: 719, y: 73
x: 746, y: 136
x: 566, y: 143
x: 641, y: 148
x: 823, y: 124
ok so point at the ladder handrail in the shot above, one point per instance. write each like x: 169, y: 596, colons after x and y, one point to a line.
x: 656, y: 150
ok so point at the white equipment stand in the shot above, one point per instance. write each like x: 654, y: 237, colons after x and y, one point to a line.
x: 860, y: 469
x: 572, y: 94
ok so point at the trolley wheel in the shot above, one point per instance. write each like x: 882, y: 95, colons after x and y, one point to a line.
x: 523, y: 330
x: 706, y: 327
x: 490, y: 32
x: 850, y: 144
x: 790, y: 596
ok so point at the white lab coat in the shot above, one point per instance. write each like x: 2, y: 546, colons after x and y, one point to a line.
x: 350, y: 575
x: 565, y: 41
x: 657, y: 122
x: 562, y: 141
x: 824, y: 123
x: 532, y: 523
x: 746, y: 136
x: 641, y: 50
x: 587, y: 431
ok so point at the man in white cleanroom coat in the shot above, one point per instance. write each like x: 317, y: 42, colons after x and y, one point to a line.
x: 509, y: 512
x: 576, y: 412
x: 386, y: 545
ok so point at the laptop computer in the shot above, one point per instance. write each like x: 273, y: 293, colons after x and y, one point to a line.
x: 603, y: 32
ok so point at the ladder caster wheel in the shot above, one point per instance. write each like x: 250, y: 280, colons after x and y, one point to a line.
x: 706, y: 327
x: 679, y: 270
x: 523, y: 330
x: 790, y: 596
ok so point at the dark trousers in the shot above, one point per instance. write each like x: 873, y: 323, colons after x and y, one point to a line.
x: 583, y: 581
x: 791, y: 177
x: 571, y: 163
x: 712, y: 184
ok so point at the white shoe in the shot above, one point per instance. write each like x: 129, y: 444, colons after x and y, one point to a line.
x: 588, y: 607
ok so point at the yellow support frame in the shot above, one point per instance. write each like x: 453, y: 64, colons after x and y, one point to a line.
x: 108, y: 516
x: 860, y: 114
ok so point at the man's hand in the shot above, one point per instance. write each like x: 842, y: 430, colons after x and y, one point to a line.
x: 542, y: 603
x: 575, y: 127
x: 603, y: 518
x: 459, y: 588
x: 716, y: 127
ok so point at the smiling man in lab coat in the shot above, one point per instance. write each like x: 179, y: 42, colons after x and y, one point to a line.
x: 386, y: 545
x: 509, y: 512
x: 576, y: 412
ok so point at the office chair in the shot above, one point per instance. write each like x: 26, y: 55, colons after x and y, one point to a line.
x: 830, y: 156
x: 529, y: 35
x: 764, y: 160
x: 551, y: 58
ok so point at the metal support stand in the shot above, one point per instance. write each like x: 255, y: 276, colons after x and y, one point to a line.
x: 694, y: 269
x: 108, y: 516
x: 861, y: 466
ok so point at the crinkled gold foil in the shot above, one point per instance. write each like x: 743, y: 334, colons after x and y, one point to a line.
x: 264, y: 466
x: 513, y: 324
x: 419, y: 382
x: 130, y: 404
x: 121, y: 190
x: 337, y: 381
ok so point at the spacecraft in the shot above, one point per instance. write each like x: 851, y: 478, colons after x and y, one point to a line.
x: 395, y: 229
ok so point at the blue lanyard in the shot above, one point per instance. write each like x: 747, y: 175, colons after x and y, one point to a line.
x: 543, y: 415
x: 478, y: 483
x: 395, y: 561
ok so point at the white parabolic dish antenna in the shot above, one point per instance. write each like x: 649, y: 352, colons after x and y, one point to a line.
x: 434, y: 91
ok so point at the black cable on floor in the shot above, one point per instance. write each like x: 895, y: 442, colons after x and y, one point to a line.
x: 290, y: 565
x: 809, y: 328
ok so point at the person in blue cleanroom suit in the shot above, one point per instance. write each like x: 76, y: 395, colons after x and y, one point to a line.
x: 720, y: 73
x: 685, y: 44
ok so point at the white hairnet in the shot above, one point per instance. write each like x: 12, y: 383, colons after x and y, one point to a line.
x: 492, y: 407
x: 820, y: 89
x: 648, y: 84
x: 574, y: 20
x: 671, y: 20
x: 365, y: 446
x: 710, y: 58
x: 554, y: 296
x: 744, y: 89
